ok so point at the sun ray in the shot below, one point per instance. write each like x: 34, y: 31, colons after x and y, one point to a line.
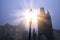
x: 24, y: 14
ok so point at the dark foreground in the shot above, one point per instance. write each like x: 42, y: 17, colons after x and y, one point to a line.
x: 9, y: 32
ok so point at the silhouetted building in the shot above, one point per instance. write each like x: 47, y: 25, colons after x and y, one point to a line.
x: 7, y: 32
x: 44, y: 25
x: 21, y: 33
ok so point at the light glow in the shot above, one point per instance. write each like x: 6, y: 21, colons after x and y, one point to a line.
x: 31, y: 15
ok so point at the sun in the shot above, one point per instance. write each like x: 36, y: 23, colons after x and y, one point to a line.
x: 31, y: 14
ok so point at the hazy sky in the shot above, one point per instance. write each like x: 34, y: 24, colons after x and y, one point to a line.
x: 9, y: 7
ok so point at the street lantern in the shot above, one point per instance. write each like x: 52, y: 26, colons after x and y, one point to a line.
x: 30, y: 24
x: 31, y: 16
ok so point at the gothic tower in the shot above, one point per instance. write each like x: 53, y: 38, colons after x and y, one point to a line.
x: 45, y: 25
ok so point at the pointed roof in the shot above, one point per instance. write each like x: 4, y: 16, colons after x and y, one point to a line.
x: 42, y: 11
x: 41, y: 8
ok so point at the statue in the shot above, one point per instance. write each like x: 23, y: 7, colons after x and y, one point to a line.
x: 34, y: 35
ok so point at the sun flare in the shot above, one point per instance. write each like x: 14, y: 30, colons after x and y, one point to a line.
x: 31, y: 14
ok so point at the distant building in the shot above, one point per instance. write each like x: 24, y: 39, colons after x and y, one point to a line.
x: 21, y: 33
x: 7, y: 32
x: 44, y: 25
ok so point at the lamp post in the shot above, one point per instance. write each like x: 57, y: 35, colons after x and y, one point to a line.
x: 30, y: 24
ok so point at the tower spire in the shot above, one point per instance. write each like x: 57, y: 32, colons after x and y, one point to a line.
x: 42, y: 10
